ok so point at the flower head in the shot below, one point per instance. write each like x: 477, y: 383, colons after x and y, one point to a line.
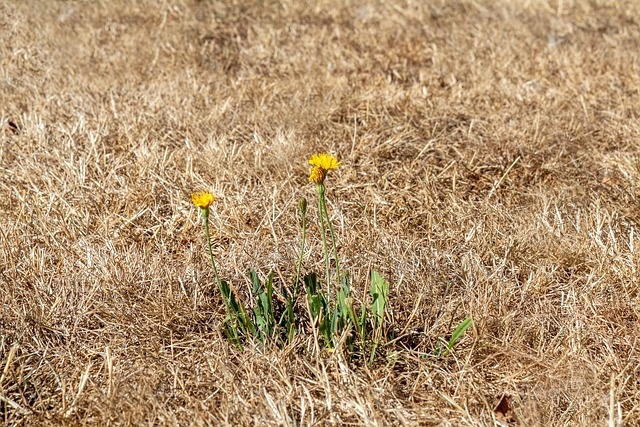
x: 203, y: 199
x: 302, y: 204
x: 317, y: 175
x: 322, y: 163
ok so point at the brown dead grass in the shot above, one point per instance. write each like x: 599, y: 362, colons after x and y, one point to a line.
x: 491, y: 169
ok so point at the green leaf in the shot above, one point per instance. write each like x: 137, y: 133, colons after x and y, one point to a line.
x: 311, y: 283
x: 269, y: 289
x: 379, y: 294
x: 288, y: 316
x: 255, y: 280
x: 263, y: 310
x: 458, y: 333
x: 317, y: 302
x: 236, y: 311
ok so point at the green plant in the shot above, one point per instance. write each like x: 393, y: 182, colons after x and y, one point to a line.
x: 334, y: 320
x: 260, y: 322
x: 321, y: 164
x: 237, y: 319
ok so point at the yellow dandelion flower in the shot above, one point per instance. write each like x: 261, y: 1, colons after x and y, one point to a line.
x: 317, y: 175
x: 324, y: 161
x: 203, y: 200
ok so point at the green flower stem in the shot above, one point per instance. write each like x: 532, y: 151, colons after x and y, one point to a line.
x: 320, y: 191
x: 205, y: 215
x: 333, y: 236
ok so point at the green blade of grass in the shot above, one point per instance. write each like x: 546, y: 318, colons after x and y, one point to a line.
x: 458, y: 333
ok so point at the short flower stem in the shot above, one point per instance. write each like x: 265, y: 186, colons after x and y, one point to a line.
x: 320, y: 190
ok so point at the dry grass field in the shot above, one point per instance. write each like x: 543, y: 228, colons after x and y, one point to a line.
x: 491, y: 169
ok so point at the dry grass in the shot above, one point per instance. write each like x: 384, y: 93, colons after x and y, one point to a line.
x: 491, y: 169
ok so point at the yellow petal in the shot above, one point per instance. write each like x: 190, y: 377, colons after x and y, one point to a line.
x: 203, y: 200
x: 324, y: 161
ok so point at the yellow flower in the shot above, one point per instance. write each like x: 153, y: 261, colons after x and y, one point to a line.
x: 324, y: 161
x: 317, y: 175
x: 203, y: 200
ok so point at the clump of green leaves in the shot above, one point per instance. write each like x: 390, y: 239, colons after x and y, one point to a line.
x: 261, y: 322
x: 337, y: 321
x: 341, y: 322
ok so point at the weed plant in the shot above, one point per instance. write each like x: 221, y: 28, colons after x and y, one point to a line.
x: 335, y: 320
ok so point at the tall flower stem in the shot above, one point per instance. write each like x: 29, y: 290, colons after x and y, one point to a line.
x: 320, y: 191
x: 323, y: 207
